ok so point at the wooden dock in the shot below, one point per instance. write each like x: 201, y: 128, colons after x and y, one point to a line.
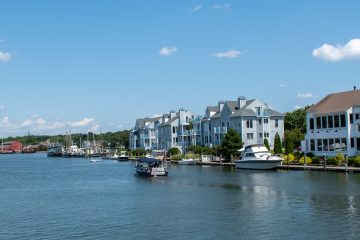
x: 319, y: 168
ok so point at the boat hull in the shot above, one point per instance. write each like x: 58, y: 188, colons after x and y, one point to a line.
x: 257, y: 164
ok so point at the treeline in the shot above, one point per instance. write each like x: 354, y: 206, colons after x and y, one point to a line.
x: 113, y: 139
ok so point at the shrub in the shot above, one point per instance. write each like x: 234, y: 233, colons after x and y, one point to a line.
x: 315, y: 160
x: 357, y: 161
x: 308, y: 160
x: 288, y: 158
x: 176, y: 157
x: 340, y: 157
x: 310, y: 154
x: 333, y: 161
x: 351, y: 161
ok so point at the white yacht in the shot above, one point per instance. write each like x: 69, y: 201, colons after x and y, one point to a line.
x: 187, y: 161
x: 257, y: 157
x: 151, y: 167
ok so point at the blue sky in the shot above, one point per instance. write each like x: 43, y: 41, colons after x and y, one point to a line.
x: 102, y: 64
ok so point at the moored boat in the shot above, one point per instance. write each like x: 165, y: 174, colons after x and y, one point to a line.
x: 55, y: 151
x: 151, y: 167
x: 187, y: 161
x: 257, y: 157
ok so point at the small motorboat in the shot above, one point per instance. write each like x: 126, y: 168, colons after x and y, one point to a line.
x: 187, y: 161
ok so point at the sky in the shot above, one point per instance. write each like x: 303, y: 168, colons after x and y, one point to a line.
x: 91, y: 65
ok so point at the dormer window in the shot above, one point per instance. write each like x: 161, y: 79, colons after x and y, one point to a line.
x: 258, y: 111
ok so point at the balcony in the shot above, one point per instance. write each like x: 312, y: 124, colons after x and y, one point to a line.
x: 219, y: 130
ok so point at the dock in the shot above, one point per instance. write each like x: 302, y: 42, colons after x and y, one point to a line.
x: 319, y: 168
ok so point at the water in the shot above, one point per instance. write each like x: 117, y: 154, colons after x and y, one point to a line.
x: 55, y: 198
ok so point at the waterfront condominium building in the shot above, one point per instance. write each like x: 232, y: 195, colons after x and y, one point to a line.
x: 145, y: 133
x: 333, y: 125
x: 180, y: 131
x: 252, y: 119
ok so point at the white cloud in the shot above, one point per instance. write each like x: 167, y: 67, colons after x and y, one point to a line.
x: 196, y: 8
x: 167, y: 51
x: 5, y: 57
x: 94, y: 128
x: 26, y: 123
x: 305, y: 95
x: 40, y: 121
x: 221, y: 6
x: 337, y: 53
x: 82, y: 123
x: 228, y: 54
x: 297, y: 107
x: 5, y: 122
x: 283, y: 85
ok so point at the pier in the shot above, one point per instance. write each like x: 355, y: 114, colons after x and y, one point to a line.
x: 319, y: 168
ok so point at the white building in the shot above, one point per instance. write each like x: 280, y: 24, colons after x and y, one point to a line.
x: 333, y: 125
x: 180, y: 131
x: 252, y: 119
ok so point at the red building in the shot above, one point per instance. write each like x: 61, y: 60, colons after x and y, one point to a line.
x: 11, y: 147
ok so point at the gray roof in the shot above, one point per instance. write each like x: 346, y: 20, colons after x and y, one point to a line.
x: 141, y: 121
x: 244, y: 112
x: 233, y: 105
x: 272, y: 113
x: 216, y: 115
x: 170, y: 121
x: 212, y: 108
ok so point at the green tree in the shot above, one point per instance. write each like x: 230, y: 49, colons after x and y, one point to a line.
x: 295, y: 136
x: 231, y: 143
x: 174, y: 151
x: 289, y: 146
x: 266, y: 143
x: 296, y: 119
x: 277, y: 144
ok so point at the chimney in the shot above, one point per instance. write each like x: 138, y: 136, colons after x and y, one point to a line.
x: 221, y: 105
x: 172, y: 114
x: 241, y: 101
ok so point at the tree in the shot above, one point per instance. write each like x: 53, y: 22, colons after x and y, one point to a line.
x: 277, y: 144
x: 231, y: 143
x: 296, y: 119
x: 295, y: 136
x: 174, y: 151
x: 266, y: 143
x: 289, y: 146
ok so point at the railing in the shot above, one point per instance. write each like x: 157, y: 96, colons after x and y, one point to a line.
x: 218, y: 130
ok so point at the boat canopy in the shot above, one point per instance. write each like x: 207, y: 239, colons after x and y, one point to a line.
x: 148, y: 160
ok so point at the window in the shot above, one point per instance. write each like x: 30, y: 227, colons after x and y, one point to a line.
x: 342, y: 120
x: 336, y: 121
x: 319, y: 145
x: 331, y: 144
x: 330, y: 122
x: 311, y: 123
x: 250, y: 135
x: 352, y: 143
x: 318, y: 123
x: 260, y: 135
x: 276, y: 123
x: 260, y: 121
x: 209, y: 127
x: 266, y: 120
x: 312, y: 145
x: 337, y: 144
x: 324, y: 122
x: 351, y: 118
x: 174, y: 130
x: 343, y: 144
x: 249, y: 123
x: 258, y: 111
x: 266, y: 134
x: 357, y: 116
x: 326, y: 144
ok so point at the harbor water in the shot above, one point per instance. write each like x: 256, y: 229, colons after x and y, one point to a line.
x: 57, y: 198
